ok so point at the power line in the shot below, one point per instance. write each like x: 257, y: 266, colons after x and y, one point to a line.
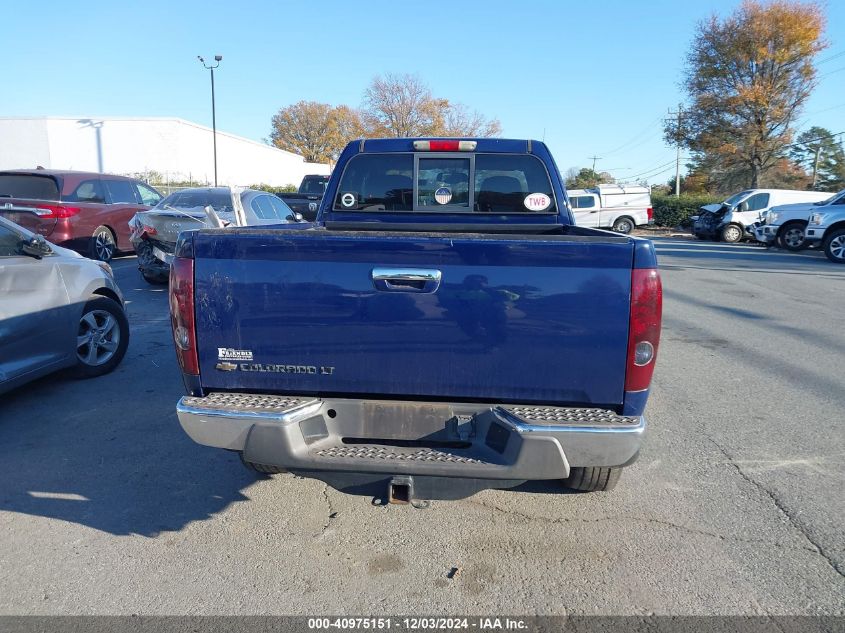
x: 830, y: 58
x: 838, y: 70
x: 836, y: 107
x: 665, y: 171
x: 813, y: 140
x: 647, y: 139
x: 636, y: 137
x: 647, y: 172
x: 654, y: 167
x: 655, y: 175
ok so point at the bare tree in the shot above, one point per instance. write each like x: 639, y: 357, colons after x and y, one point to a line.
x: 400, y: 105
x: 458, y: 120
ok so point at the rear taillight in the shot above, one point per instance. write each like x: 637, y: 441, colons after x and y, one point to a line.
x: 650, y: 212
x: 182, y: 314
x: 55, y: 211
x: 644, y: 332
x: 445, y: 146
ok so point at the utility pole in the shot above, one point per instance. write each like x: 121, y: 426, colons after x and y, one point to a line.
x: 816, y: 165
x: 679, y: 113
x: 594, y: 158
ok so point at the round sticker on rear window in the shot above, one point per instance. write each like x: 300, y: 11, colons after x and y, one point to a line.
x: 443, y: 195
x: 348, y: 200
x: 537, y: 202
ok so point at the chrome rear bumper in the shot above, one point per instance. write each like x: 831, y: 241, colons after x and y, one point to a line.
x: 506, y: 442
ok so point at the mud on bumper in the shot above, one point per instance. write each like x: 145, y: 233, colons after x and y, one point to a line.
x: 492, y: 443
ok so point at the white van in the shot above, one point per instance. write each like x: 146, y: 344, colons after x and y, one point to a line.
x: 733, y: 219
x: 617, y: 207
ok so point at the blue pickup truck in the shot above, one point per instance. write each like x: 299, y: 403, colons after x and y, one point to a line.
x: 442, y: 328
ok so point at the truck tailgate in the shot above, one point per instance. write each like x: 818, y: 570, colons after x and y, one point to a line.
x: 513, y: 318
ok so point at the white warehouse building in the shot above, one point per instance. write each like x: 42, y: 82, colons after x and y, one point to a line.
x: 176, y: 149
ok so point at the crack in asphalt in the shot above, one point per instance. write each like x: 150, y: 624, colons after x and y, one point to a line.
x: 330, y: 511
x: 645, y: 520
x: 816, y: 547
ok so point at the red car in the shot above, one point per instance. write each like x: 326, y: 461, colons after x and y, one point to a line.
x: 84, y: 211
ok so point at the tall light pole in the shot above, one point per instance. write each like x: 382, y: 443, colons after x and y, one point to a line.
x: 218, y: 59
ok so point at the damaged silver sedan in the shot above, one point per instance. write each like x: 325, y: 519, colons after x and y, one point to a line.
x: 154, y: 232
x: 58, y: 310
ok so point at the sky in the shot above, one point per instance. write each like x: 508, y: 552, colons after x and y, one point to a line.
x: 589, y: 78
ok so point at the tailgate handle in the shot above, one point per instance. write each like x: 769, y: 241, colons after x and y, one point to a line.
x: 424, y: 280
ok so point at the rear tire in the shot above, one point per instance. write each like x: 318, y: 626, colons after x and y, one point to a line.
x: 592, y: 478
x: 834, y: 247
x: 103, y: 244
x: 264, y: 469
x: 623, y: 225
x: 154, y: 279
x: 791, y: 236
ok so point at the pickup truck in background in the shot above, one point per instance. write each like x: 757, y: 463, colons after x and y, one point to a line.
x: 443, y: 328
x: 307, y: 199
x: 827, y: 227
x: 786, y: 225
x: 618, y: 207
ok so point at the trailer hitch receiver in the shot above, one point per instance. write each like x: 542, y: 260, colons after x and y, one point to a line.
x: 400, y: 490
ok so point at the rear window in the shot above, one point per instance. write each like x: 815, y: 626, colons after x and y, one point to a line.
x: 269, y: 208
x: 28, y: 186
x: 457, y: 183
x: 512, y: 183
x: 220, y: 201
x: 377, y: 182
x: 443, y: 182
x: 315, y: 186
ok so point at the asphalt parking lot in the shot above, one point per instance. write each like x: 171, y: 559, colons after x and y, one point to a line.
x: 735, y: 506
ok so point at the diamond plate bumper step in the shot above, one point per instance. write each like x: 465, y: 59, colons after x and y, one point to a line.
x: 397, y: 454
x: 247, y: 402
x: 542, y: 416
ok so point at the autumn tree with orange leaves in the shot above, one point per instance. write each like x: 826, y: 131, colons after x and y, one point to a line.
x: 747, y: 77
x: 394, y: 106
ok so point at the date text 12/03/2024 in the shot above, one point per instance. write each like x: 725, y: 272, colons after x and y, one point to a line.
x: 418, y: 623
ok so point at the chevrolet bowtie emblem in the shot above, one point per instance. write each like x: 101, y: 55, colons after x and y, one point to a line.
x: 224, y: 366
